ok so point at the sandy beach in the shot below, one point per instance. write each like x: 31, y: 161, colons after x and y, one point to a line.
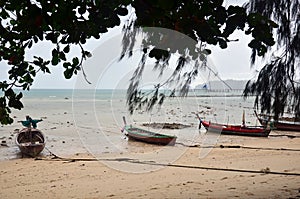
x: 109, y: 166
x: 25, y: 178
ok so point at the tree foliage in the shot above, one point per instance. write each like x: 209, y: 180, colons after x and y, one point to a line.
x: 277, y: 87
x: 63, y: 23
x: 205, y: 22
x: 68, y: 24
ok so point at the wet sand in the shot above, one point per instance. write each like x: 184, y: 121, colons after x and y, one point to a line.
x: 54, y: 178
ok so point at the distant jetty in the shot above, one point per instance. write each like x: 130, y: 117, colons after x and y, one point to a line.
x: 225, y: 86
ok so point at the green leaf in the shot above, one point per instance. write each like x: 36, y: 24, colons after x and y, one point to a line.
x: 222, y: 43
x: 68, y: 73
x: 254, y: 44
x: 87, y: 54
x: 15, y: 103
x: 207, y: 51
x: 66, y: 64
x: 62, y: 56
x: 19, y: 96
x: 66, y: 49
x: 82, y: 9
x: 54, y: 61
x: 54, y: 53
x: 4, y: 115
x: 75, y: 61
x: 9, y: 93
x: 122, y: 11
x: 55, y: 57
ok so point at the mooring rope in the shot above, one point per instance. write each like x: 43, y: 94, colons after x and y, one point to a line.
x: 237, y: 147
x: 135, y: 161
x: 282, y: 135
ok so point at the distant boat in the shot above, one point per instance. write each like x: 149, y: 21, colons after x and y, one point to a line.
x: 241, y: 130
x: 31, y: 142
x: 282, y: 124
x: 148, y: 136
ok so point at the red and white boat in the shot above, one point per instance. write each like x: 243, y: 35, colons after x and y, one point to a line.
x: 256, y: 131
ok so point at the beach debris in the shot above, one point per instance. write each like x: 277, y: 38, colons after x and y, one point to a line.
x: 266, y: 170
x: 4, y: 143
x: 16, y: 131
x: 166, y: 125
x: 172, y: 112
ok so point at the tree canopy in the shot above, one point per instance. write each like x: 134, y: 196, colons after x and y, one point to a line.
x: 277, y: 87
x: 68, y: 24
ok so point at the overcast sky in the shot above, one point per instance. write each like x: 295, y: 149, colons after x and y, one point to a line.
x: 230, y: 63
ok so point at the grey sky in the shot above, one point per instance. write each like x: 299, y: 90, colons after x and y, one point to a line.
x: 230, y: 63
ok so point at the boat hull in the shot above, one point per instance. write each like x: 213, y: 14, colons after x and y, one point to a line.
x: 236, y: 129
x: 31, y: 143
x: 286, y: 126
x: 282, y: 126
x: 278, y: 125
x: 149, y: 137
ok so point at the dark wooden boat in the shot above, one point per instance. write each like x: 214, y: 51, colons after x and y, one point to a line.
x: 149, y: 137
x: 287, y: 126
x: 30, y: 141
x: 256, y: 131
x: 282, y: 124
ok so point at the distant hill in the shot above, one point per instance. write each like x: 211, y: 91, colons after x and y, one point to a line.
x: 234, y: 84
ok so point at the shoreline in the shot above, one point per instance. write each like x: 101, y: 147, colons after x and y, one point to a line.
x: 187, y: 177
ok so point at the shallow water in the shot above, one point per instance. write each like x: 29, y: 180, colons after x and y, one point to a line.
x: 83, y: 121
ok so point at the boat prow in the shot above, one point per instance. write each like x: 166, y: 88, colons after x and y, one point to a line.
x: 31, y: 142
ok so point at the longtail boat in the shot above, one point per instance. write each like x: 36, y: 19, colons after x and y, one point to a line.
x: 31, y: 142
x: 148, y: 136
x: 284, y: 125
x: 256, y: 131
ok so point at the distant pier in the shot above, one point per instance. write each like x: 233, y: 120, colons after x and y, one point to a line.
x: 215, y: 93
